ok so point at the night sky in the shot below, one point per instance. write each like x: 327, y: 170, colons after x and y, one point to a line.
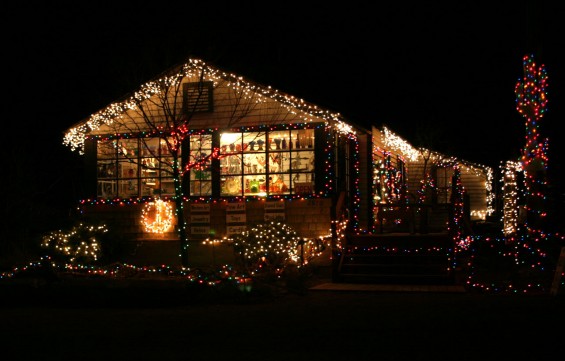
x: 446, y: 70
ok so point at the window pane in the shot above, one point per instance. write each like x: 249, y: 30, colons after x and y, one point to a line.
x: 107, y: 189
x: 127, y: 148
x: 255, y: 185
x: 254, y: 163
x: 279, y: 184
x: 302, y: 183
x: 201, y: 143
x: 149, y: 167
x: 279, y: 162
x: 148, y: 186
x: 279, y: 139
x: 444, y: 184
x: 200, y: 188
x: 230, y: 149
x: 107, y: 169
x: 233, y: 165
x: 231, y: 141
x: 106, y: 149
x: 128, y: 169
x: 128, y: 188
x: 231, y: 186
x: 254, y: 142
x: 150, y: 147
x: 167, y: 187
x: 302, y: 161
x: 303, y: 138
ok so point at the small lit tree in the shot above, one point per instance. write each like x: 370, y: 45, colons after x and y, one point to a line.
x: 531, y: 103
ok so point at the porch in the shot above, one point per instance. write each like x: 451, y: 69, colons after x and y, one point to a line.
x: 395, y: 258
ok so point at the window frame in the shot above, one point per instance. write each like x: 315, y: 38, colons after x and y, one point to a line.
x: 278, y: 151
x: 309, y: 178
x: 140, y: 157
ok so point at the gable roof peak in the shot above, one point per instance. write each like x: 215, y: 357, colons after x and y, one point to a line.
x: 192, y: 67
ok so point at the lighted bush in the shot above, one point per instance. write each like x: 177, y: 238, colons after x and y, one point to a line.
x: 79, y: 244
x: 267, y: 246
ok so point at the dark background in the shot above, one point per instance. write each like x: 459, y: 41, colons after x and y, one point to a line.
x: 445, y: 70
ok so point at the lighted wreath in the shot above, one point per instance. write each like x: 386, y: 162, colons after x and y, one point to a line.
x: 157, y: 217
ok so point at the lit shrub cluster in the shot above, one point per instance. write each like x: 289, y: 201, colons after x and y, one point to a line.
x: 267, y: 246
x: 79, y: 244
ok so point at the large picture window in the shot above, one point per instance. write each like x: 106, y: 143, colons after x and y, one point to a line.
x: 267, y: 163
x: 274, y: 162
x: 134, y: 167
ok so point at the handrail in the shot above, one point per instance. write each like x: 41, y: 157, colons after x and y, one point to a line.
x: 410, y: 215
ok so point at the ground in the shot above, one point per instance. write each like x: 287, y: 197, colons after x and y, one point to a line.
x: 168, y: 321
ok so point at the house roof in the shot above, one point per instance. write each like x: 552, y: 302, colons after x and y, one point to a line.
x: 393, y: 142
x: 75, y: 136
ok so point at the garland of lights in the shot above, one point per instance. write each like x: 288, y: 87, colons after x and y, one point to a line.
x: 157, y: 216
x: 427, y: 184
x: 352, y: 136
x: 456, y: 226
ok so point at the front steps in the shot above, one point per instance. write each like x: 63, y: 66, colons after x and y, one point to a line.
x: 396, y: 259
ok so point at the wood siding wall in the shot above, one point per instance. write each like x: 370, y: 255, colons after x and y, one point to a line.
x: 475, y: 185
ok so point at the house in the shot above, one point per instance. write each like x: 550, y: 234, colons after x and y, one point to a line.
x: 239, y: 153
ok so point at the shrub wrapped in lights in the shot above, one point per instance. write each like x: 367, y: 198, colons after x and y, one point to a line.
x: 267, y: 247
x: 79, y: 244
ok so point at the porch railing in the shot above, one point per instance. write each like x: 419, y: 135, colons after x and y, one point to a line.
x: 412, y: 218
